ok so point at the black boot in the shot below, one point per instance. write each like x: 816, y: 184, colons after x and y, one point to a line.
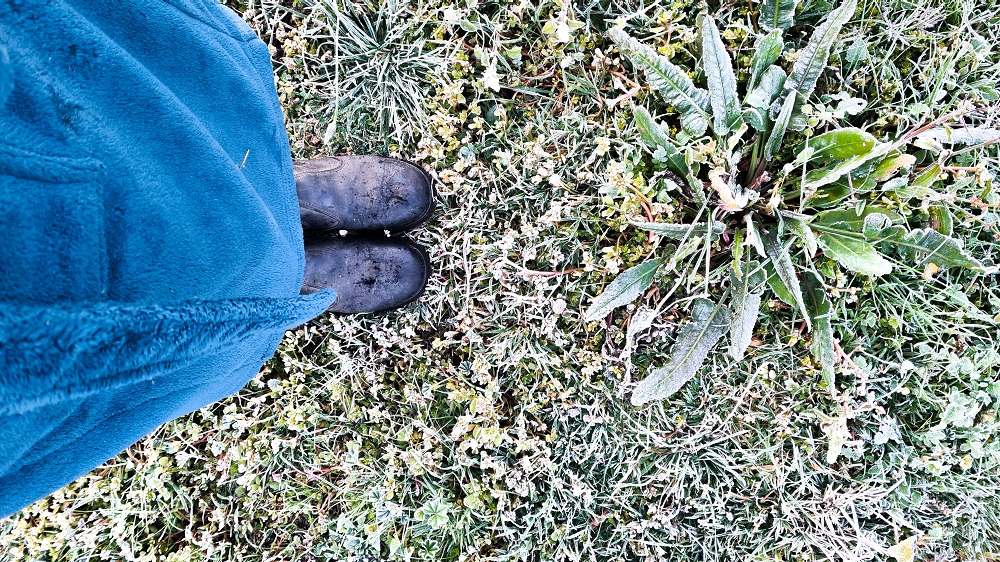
x: 362, y: 193
x: 368, y: 274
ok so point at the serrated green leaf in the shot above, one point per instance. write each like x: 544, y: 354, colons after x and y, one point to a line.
x: 838, y: 145
x: 783, y: 266
x: 812, y: 59
x: 650, y: 132
x: 767, y: 50
x: 777, y: 14
x: 624, y: 289
x: 803, y: 232
x: 721, y: 79
x: 778, y: 286
x: 778, y: 132
x: 746, y: 305
x: 741, y: 329
x: 822, y: 347
x: 672, y: 82
x: 709, y: 322
x: 927, y: 245
x: 852, y: 221
x: 853, y: 252
x: 653, y: 136
x: 681, y: 231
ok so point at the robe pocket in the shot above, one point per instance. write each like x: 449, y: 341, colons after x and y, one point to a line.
x: 52, y: 233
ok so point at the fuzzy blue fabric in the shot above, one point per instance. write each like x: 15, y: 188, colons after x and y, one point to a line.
x: 150, y: 247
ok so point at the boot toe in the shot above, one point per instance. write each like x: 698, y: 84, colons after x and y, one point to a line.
x: 369, y: 275
x: 363, y: 193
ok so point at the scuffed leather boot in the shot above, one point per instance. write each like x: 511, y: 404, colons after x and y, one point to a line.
x: 362, y: 193
x: 368, y: 274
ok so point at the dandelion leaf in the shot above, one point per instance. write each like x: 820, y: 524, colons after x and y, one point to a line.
x: 680, y: 231
x: 709, y: 322
x: 746, y: 305
x: 767, y: 50
x: 822, y: 334
x: 812, y: 59
x: 672, y: 82
x: 721, y: 79
x: 777, y: 14
x: 624, y: 289
x: 783, y: 266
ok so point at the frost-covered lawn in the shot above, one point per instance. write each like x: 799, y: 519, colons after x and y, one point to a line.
x: 491, y: 422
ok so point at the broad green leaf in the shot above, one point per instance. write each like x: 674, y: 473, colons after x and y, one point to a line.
x: 709, y: 322
x: 828, y: 195
x: 653, y: 135
x: 838, y: 168
x: 783, y: 266
x: 928, y: 176
x: 746, y: 305
x: 649, y: 130
x: 838, y: 145
x: 778, y: 132
x: 941, y: 219
x: 822, y: 335
x: 833, y: 193
x: 853, y: 252
x: 757, y: 117
x: 852, y: 221
x: 680, y: 231
x: 927, y: 245
x: 721, y: 79
x: 960, y: 135
x: 905, y: 191
x: 812, y: 59
x: 672, y: 82
x: 741, y: 329
x: 767, y: 50
x: 624, y: 289
x: 804, y: 233
x: 778, y: 286
x: 767, y: 89
x: 888, y: 167
x: 777, y: 14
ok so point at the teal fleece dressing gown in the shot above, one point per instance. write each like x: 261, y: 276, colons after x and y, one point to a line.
x: 150, y: 247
